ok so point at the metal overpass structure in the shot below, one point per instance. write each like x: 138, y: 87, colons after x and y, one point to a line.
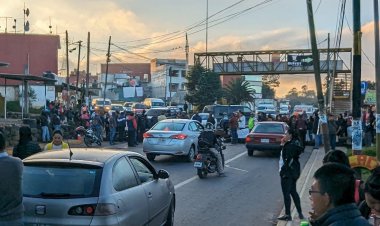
x: 337, y: 61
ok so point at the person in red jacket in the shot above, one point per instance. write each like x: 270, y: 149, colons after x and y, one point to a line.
x: 234, y: 124
x: 132, y: 127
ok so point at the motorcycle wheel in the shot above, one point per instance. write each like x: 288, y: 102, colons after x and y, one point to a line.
x: 201, y: 173
x: 87, y: 141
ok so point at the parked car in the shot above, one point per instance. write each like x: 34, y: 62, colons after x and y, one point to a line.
x: 172, y: 137
x: 266, y: 136
x: 117, y: 107
x: 95, y: 187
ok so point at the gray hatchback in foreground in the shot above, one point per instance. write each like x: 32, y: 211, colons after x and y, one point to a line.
x: 95, y: 187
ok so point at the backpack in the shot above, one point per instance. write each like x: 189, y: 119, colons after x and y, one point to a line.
x: 130, y: 125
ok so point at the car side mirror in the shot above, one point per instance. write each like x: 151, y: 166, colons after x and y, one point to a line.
x: 163, y: 174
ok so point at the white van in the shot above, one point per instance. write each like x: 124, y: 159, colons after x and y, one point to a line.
x: 154, y: 103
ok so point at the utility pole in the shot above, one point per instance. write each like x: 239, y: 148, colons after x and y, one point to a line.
x: 206, y: 32
x: 108, y: 60
x: 170, y: 85
x: 329, y: 76
x: 88, y: 65
x: 79, y: 46
x: 67, y: 70
x: 317, y: 75
x: 377, y: 66
x: 356, y: 81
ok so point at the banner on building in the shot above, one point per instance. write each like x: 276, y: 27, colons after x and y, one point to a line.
x: 129, y: 92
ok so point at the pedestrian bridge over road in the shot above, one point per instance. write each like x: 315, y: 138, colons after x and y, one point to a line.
x: 295, y: 61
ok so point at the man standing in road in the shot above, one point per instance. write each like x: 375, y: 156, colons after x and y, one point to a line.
x: 251, y: 121
x: 332, y: 197
x: 11, y: 208
x: 290, y: 171
x: 234, y: 124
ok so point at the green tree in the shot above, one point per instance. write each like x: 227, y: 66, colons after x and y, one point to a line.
x: 203, y: 87
x: 238, y: 91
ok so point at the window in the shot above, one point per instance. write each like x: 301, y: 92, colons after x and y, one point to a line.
x: 183, y: 73
x: 145, y: 172
x: 73, y: 181
x: 193, y: 126
x: 173, y: 87
x: 169, y: 126
x: 123, y: 176
x: 269, y: 128
x: 175, y: 73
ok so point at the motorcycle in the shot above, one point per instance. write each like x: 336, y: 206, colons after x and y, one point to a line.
x: 206, y: 161
x: 89, y: 136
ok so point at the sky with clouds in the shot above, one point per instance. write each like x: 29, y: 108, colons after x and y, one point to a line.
x: 146, y: 29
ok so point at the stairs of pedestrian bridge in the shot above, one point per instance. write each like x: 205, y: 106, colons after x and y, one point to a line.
x: 341, y: 100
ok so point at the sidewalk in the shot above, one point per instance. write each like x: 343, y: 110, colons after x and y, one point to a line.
x: 303, y: 186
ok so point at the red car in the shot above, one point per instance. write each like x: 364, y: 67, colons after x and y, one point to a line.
x: 266, y: 136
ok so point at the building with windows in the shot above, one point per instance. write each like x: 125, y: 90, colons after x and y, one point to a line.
x: 168, y: 80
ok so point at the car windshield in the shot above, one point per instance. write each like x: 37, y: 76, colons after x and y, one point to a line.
x: 284, y: 108
x: 100, y: 102
x: 269, y: 128
x: 169, y: 126
x: 139, y: 106
x: 158, y: 104
x: 61, y: 181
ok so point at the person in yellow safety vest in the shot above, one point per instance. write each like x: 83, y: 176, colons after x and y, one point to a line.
x: 57, y: 143
x: 251, y: 121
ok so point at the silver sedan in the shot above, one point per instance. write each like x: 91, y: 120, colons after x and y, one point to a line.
x: 95, y: 187
x: 172, y: 137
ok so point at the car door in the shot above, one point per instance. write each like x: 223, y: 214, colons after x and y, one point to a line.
x: 156, y: 190
x: 131, y: 199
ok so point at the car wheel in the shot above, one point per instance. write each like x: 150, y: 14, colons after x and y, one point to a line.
x: 250, y: 152
x: 150, y: 156
x: 170, y: 217
x: 190, y: 156
x: 201, y: 173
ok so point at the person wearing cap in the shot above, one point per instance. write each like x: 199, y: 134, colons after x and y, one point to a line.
x: 57, y: 143
x: 11, y: 207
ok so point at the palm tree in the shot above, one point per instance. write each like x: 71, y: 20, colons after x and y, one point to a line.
x: 237, y: 91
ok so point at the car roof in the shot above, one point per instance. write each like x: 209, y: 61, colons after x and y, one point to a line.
x: 270, y: 122
x: 177, y: 120
x: 94, y: 156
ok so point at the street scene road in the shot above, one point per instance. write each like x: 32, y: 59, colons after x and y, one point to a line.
x: 248, y: 194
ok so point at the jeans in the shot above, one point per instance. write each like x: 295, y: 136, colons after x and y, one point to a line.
x: 112, y: 135
x: 57, y: 127
x: 234, y: 136
x: 45, y: 134
x: 332, y: 138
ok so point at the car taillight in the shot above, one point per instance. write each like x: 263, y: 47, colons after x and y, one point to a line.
x: 100, y: 209
x: 147, y: 135
x: 180, y: 136
x: 248, y: 139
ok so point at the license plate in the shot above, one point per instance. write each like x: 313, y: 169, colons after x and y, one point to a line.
x: 264, y: 140
x: 198, y: 164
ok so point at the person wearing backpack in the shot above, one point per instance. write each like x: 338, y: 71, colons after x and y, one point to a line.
x: 290, y: 170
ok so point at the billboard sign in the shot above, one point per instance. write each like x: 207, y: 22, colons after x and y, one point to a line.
x: 300, y: 60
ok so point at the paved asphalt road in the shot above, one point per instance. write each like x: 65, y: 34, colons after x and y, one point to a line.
x: 249, y: 194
